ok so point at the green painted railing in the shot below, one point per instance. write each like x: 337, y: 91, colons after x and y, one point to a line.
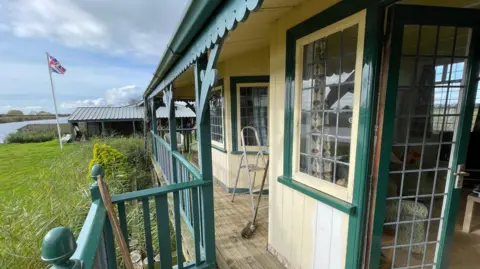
x: 184, y: 172
x: 95, y: 248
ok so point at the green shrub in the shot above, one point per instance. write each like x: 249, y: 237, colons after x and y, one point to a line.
x: 31, y: 137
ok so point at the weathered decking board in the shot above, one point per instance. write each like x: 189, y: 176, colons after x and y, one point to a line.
x: 234, y: 251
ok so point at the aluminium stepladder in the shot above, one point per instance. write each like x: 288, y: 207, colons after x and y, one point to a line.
x: 249, y: 168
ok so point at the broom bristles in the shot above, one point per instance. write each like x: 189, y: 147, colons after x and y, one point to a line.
x: 248, y: 230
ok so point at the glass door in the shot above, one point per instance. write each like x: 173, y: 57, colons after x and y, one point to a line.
x: 427, y: 113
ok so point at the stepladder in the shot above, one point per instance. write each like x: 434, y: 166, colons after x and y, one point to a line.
x: 251, y: 144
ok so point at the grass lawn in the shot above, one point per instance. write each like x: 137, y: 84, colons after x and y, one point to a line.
x: 18, y: 162
x: 41, y: 188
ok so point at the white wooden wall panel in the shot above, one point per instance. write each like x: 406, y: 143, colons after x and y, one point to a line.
x: 323, y: 236
x: 338, y: 240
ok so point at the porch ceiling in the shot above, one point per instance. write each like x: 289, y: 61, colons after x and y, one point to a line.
x: 255, y: 32
x: 250, y: 35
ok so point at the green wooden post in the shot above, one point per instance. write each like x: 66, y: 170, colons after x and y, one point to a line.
x: 58, y: 247
x: 153, y: 125
x: 205, y: 76
x: 153, y: 116
x: 172, y: 126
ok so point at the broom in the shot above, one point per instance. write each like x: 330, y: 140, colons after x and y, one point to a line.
x: 249, y: 229
x: 114, y: 222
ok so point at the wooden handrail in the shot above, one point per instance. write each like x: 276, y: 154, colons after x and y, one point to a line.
x: 91, y: 234
x: 136, y: 195
x: 192, y: 169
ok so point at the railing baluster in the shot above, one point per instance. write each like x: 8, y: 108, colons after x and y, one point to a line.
x: 109, y: 245
x: 163, y: 229
x: 148, y: 232
x: 178, y: 230
x: 196, y: 226
x: 123, y: 221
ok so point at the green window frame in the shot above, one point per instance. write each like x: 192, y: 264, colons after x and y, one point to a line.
x: 217, y: 116
x: 235, y: 83
x: 357, y: 209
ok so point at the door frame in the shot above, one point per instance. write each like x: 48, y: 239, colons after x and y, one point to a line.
x: 398, y: 16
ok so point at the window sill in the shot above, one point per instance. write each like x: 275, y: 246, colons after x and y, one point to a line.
x: 323, y: 197
x: 219, y: 149
x: 236, y: 152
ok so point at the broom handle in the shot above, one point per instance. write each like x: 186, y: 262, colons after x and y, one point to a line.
x: 261, y: 190
x: 114, y: 221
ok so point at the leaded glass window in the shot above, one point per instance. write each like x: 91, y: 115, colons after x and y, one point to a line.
x: 253, y: 112
x: 216, y: 115
x: 327, y: 102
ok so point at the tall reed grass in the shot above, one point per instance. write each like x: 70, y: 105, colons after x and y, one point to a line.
x: 31, y: 136
x: 43, y: 188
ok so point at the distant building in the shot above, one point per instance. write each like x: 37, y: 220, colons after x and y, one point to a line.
x: 95, y: 121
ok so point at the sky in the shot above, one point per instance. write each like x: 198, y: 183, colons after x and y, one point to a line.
x: 110, y: 49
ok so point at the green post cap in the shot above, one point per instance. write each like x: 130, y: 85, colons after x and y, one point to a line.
x: 57, y: 248
x: 97, y: 170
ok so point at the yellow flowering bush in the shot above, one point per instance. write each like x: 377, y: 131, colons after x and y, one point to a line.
x: 115, y: 164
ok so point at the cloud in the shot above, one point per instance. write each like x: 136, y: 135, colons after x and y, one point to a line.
x: 27, y: 84
x: 113, y: 97
x: 141, y: 27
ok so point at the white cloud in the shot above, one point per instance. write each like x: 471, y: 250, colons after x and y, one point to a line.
x: 84, y: 103
x: 113, y: 97
x: 141, y: 27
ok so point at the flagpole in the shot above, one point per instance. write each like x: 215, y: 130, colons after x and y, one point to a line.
x: 54, y: 103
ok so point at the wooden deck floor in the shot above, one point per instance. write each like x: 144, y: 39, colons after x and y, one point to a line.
x: 234, y: 251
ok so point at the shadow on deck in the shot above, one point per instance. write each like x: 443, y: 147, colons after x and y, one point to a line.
x: 234, y: 251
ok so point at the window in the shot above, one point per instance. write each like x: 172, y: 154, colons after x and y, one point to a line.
x: 328, y: 84
x: 449, y: 76
x: 253, y: 112
x: 216, y: 115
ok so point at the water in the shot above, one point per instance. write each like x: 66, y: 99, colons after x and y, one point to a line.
x: 11, y: 127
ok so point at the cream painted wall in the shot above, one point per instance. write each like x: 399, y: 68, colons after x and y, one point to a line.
x: 225, y: 165
x: 303, y: 232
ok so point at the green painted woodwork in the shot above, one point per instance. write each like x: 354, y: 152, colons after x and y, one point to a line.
x: 109, y: 245
x: 148, y: 232
x: 225, y: 19
x: 136, y: 195
x: 366, y: 124
x: 97, y: 170
x: 178, y: 229
x: 164, y: 242
x: 58, y: 246
x: 122, y: 216
x: 196, y: 225
x: 371, y: 61
x: 233, y: 97
x: 386, y: 142
x: 323, y: 197
x: 194, y: 18
x: 406, y: 15
x: 205, y: 159
x: 462, y: 138
x: 208, y: 77
x: 185, y: 163
x: 172, y: 125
